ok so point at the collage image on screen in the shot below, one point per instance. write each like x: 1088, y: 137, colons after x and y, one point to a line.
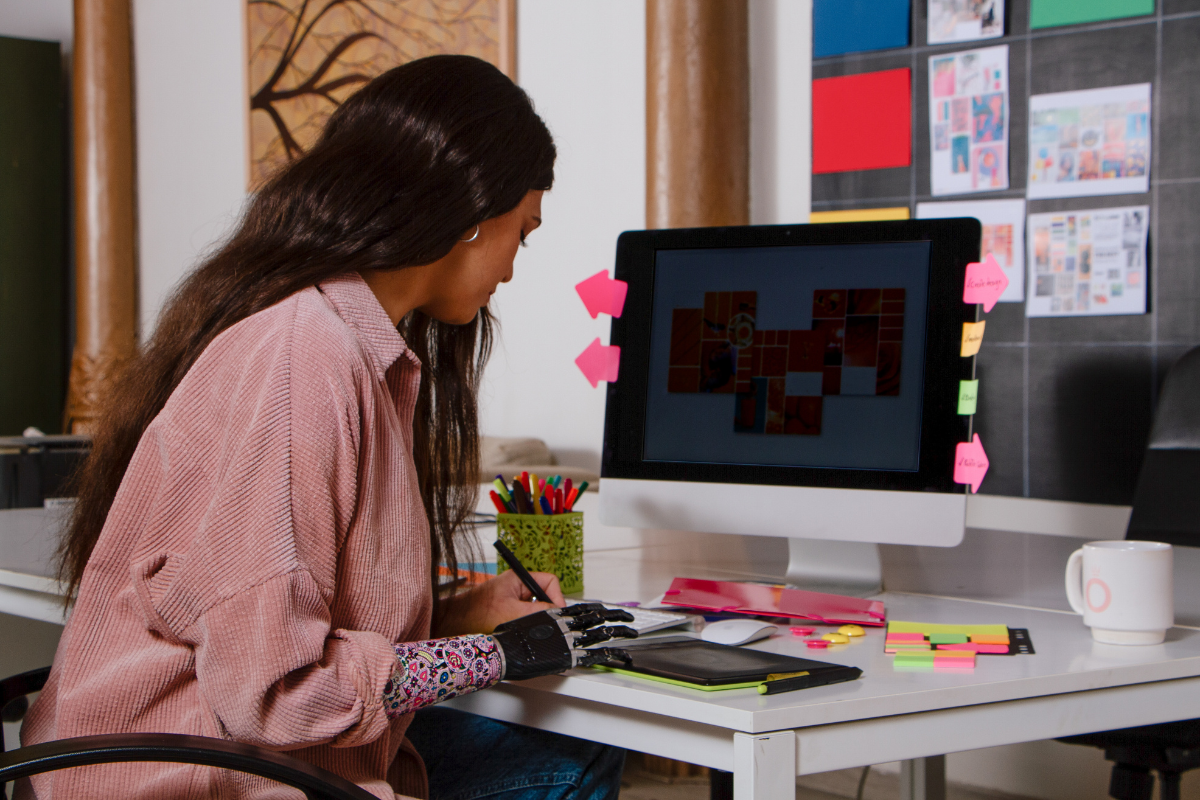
x: 779, y: 378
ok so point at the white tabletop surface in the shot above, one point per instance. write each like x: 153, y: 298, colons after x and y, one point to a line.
x: 1066, y: 660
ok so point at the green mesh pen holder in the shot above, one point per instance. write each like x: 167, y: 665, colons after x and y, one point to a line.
x: 552, y: 543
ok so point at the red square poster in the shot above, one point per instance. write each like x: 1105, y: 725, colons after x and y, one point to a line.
x: 862, y: 121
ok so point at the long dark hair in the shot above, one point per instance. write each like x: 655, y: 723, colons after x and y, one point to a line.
x: 404, y: 167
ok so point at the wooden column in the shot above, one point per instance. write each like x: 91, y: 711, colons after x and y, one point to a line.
x: 697, y: 141
x: 105, y: 278
x: 697, y: 113
x: 507, y: 56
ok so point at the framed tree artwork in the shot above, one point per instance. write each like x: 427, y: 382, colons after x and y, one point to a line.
x: 307, y: 56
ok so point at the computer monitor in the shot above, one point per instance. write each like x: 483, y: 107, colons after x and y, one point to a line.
x: 794, y: 380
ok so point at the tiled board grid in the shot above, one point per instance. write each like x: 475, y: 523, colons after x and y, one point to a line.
x: 1065, y: 404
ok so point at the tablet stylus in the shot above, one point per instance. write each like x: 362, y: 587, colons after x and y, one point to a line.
x: 516, y: 566
x: 809, y: 681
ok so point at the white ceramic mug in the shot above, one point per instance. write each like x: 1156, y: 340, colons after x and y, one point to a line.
x: 1124, y: 590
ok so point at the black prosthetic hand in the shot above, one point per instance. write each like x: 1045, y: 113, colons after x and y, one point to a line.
x: 553, y: 641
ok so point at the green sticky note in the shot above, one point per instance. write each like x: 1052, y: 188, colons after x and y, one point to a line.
x: 927, y: 628
x: 1050, y: 13
x: 968, y: 397
x: 947, y: 638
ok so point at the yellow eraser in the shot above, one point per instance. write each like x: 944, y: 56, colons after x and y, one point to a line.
x: 852, y: 630
x: 836, y: 638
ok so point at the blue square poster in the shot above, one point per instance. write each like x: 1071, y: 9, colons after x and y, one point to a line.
x: 852, y: 26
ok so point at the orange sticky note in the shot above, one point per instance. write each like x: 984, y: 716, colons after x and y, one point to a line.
x: 955, y: 654
x: 989, y: 639
x: 972, y: 337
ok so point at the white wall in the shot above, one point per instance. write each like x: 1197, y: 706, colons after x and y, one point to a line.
x: 584, y: 65
x: 780, y: 104
x: 190, y: 93
x: 50, y: 20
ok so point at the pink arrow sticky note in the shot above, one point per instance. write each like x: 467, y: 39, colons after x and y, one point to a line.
x: 985, y: 282
x: 602, y: 294
x: 970, y: 463
x: 599, y: 363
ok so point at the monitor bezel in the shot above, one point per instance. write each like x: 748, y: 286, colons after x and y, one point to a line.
x: 954, y: 243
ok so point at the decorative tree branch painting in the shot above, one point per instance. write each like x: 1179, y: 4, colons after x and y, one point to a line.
x: 307, y: 56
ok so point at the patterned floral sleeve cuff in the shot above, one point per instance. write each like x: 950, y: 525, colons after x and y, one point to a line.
x: 437, y: 670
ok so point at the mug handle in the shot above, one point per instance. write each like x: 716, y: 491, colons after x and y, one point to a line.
x: 1074, y: 578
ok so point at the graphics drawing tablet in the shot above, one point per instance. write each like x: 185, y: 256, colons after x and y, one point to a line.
x: 708, y: 664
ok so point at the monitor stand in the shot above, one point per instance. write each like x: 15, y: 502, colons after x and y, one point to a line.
x: 849, y: 568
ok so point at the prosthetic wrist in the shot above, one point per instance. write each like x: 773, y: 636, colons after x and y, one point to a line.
x: 550, y: 642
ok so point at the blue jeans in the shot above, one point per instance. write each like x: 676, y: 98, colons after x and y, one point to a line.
x: 469, y: 757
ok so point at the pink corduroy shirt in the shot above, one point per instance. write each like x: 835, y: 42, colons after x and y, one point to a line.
x: 267, y: 547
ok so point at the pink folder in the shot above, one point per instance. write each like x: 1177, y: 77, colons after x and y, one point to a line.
x: 752, y: 598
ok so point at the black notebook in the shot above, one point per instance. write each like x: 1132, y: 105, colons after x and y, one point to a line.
x: 694, y: 661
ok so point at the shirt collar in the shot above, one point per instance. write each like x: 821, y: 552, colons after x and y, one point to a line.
x: 359, y: 308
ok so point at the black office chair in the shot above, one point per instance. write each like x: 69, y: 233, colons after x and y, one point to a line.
x: 1170, y: 749
x: 316, y: 783
x: 1166, y: 508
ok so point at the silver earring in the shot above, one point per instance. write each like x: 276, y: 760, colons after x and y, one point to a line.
x: 474, y: 236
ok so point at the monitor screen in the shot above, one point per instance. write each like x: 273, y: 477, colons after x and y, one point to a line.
x: 797, y: 356
x: 792, y: 355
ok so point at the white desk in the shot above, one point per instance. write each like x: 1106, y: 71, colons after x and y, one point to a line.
x: 1072, y: 685
x: 28, y: 537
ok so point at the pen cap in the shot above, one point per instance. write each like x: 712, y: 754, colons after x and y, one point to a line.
x: 544, y: 543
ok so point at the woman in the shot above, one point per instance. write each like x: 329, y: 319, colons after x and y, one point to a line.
x: 278, y: 477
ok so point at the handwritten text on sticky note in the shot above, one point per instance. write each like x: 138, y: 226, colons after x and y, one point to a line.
x: 970, y: 463
x: 968, y: 397
x: 599, y: 362
x: 985, y: 282
x: 972, y: 338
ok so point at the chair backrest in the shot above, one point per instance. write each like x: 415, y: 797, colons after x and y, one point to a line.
x: 1166, y: 503
x: 13, y: 691
x: 316, y: 783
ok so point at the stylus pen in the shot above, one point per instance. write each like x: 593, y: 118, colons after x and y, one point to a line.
x: 809, y: 681
x: 516, y: 566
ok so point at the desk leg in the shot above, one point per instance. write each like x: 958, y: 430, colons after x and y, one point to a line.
x: 923, y: 778
x: 764, y: 766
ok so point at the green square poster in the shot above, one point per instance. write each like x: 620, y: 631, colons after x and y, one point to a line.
x: 1049, y: 13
